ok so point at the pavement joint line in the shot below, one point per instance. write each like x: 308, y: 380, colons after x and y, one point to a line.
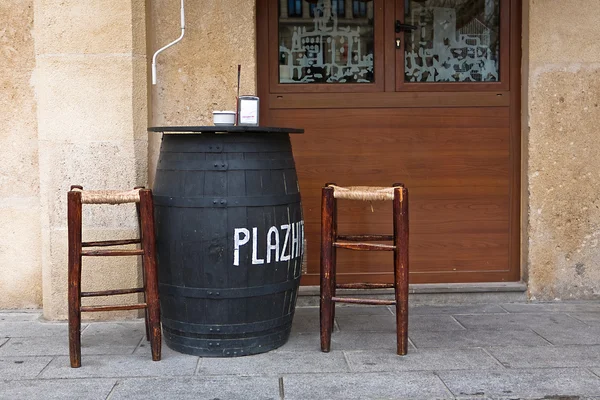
x: 412, y: 343
x: 346, y: 360
x: 502, y: 307
x: 577, y: 319
x: 534, y: 331
x: 139, y: 344
x: 455, y: 320
x: 112, y: 390
x: 593, y: 373
x: 491, y: 355
x: 435, y: 373
x: 197, y: 369
x: 39, y: 375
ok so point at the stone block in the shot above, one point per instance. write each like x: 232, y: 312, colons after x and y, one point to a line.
x: 19, y: 175
x: 183, y: 388
x: 346, y: 340
x: 95, y: 166
x: 86, y: 99
x: 20, y: 256
x: 566, y: 335
x: 547, y: 357
x: 22, y: 329
x: 417, y: 385
x: 552, y: 307
x: 16, y: 40
x: 387, y: 323
x: 475, y: 338
x: 276, y: 363
x: 13, y: 316
x: 76, y: 27
x: 98, y: 273
x: 517, y: 321
x: 350, y: 311
x: 554, y: 41
x: 189, y: 88
x: 22, y: 367
x: 100, y: 339
x: 564, y: 157
x: 420, y: 360
x: 589, y: 318
x: 120, y: 366
x: 57, y: 389
x: 522, y: 383
x: 456, y: 310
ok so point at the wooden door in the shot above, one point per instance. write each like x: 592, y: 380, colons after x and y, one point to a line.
x: 436, y: 107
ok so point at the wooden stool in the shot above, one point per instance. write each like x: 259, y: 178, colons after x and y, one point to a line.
x: 145, y: 211
x: 330, y: 241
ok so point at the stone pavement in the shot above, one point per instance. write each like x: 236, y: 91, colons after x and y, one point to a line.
x: 482, y: 351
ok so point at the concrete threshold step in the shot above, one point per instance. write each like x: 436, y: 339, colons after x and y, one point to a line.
x: 433, y: 294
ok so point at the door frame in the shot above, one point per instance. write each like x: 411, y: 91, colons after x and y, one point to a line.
x: 510, y: 96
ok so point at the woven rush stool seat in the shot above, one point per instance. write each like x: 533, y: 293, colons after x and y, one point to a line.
x: 331, y: 240
x: 76, y: 197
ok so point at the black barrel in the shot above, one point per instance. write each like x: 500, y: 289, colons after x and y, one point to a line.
x: 229, y: 241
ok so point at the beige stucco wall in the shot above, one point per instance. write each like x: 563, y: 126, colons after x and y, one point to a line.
x: 564, y: 149
x: 199, y: 74
x: 90, y: 86
x: 20, y: 244
x: 74, y: 110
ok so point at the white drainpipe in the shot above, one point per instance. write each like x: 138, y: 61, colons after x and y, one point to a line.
x: 169, y: 45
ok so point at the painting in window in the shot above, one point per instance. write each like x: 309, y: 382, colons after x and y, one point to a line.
x: 328, y: 45
x: 454, y: 41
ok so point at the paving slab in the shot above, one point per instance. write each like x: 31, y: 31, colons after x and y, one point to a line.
x: 101, y: 339
x: 517, y: 321
x: 116, y: 366
x: 349, y: 310
x: 305, y: 322
x: 276, y: 363
x: 564, y: 335
x: 381, y: 323
x: 457, y: 310
x: 59, y: 389
x: 347, y: 340
x: 421, y: 360
x: 416, y: 385
x: 20, y: 316
x: 547, y: 357
x: 523, y: 383
x: 199, y: 387
x: 475, y: 338
x: 33, y: 328
x: 589, y: 318
x: 565, y: 307
x: 22, y: 367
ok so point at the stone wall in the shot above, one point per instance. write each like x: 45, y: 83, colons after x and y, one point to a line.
x: 199, y: 74
x: 90, y: 86
x: 564, y: 149
x: 20, y: 273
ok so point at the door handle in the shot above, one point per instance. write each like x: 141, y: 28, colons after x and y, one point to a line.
x: 400, y: 27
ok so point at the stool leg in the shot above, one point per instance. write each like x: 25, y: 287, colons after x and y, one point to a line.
x: 400, y: 210
x: 327, y: 208
x: 150, y: 275
x: 146, y: 317
x: 333, y: 281
x: 74, y: 290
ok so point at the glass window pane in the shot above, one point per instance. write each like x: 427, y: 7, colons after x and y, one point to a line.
x: 324, y: 47
x: 454, y: 41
